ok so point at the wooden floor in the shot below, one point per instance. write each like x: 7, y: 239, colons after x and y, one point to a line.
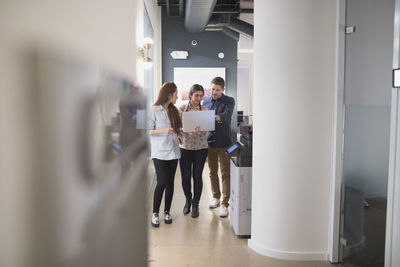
x: 205, y: 241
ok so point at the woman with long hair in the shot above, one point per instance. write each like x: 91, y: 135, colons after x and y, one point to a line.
x: 194, y: 149
x: 165, y: 134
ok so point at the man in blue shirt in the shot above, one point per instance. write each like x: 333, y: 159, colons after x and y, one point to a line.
x: 218, y: 141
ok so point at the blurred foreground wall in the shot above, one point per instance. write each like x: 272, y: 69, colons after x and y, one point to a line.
x: 100, y: 32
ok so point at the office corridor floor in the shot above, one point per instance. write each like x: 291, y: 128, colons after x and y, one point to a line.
x: 204, y: 241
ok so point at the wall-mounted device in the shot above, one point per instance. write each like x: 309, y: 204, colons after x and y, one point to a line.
x: 179, y: 54
x: 144, y: 53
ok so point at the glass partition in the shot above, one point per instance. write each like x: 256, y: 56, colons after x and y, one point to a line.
x: 367, y: 100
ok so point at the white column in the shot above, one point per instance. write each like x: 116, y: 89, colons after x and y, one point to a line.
x: 294, y: 65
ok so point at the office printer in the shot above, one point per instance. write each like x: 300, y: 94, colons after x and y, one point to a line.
x: 241, y: 181
x: 241, y: 151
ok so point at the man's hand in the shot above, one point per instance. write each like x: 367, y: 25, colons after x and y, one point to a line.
x: 218, y: 118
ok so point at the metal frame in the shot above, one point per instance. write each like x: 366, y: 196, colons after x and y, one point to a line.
x: 337, y: 145
x: 394, y: 161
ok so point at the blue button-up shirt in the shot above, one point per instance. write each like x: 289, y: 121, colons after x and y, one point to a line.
x: 163, y: 146
x: 223, y: 106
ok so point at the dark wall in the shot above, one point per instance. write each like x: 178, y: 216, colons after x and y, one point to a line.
x: 204, y: 54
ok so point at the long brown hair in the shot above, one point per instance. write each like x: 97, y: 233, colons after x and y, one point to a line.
x: 195, y: 88
x: 166, y: 90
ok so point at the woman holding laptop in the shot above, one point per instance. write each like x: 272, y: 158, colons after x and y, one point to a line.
x: 194, y: 149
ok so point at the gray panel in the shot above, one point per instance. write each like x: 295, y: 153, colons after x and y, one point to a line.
x: 369, y: 52
x: 366, y: 148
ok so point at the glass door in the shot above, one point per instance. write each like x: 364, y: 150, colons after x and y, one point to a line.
x: 367, y: 99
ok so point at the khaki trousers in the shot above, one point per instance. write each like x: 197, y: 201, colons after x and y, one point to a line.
x: 215, y: 156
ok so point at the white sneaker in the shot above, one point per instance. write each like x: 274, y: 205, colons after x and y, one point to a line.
x: 167, y: 217
x: 223, y: 211
x: 155, y: 220
x: 214, y: 203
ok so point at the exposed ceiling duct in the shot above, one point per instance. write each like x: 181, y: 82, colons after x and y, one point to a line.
x: 197, y: 14
x: 213, y: 15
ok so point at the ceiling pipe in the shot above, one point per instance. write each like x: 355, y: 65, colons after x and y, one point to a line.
x: 231, y: 10
x: 197, y: 14
x: 168, y: 8
x: 181, y: 8
x: 225, y: 30
x: 174, y: 7
x: 241, y: 26
x: 234, y: 24
x: 247, y: 10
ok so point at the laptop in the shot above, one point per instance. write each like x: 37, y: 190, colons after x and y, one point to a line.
x: 205, y: 119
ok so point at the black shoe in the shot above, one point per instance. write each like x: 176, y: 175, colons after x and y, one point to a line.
x: 186, y: 209
x: 167, y: 217
x: 195, y: 210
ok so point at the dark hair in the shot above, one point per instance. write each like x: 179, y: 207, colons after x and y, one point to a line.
x: 218, y: 81
x: 195, y: 88
x: 166, y: 90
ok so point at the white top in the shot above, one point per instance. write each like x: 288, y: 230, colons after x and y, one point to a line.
x: 163, y: 146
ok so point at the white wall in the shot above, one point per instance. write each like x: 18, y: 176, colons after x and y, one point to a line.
x: 104, y: 32
x: 294, y: 63
x: 246, y: 64
x: 245, y: 86
x: 155, y: 17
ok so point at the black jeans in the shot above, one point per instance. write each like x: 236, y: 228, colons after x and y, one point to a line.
x: 192, y: 164
x: 165, y: 171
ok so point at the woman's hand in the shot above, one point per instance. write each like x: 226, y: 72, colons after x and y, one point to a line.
x: 196, y: 131
x: 167, y: 130
x: 162, y: 131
